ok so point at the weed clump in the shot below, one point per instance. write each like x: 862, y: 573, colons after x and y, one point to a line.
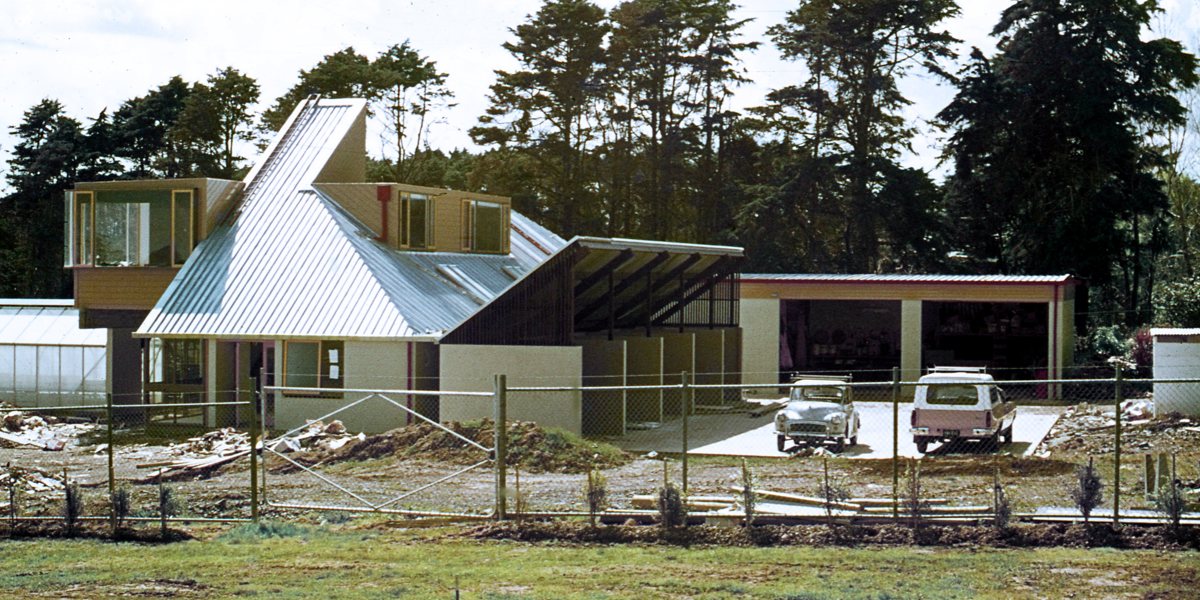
x: 1088, y: 490
x: 672, y: 507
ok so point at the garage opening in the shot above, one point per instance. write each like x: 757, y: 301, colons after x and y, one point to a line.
x: 1009, y: 338
x: 860, y: 336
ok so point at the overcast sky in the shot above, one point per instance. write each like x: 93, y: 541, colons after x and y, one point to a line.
x: 92, y: 54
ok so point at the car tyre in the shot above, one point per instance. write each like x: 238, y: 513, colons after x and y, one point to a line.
x: 1008, y: 435
x: 922, y: 446
x: 781, y: 442
x: 839, y: 444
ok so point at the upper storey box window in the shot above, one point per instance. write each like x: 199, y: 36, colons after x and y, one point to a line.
x: 485, y: 227
x: 131, y: 228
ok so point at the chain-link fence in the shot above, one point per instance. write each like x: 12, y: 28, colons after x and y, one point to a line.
x: 868, y: 447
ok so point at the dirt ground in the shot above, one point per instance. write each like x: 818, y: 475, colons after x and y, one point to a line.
x: 379, y: 477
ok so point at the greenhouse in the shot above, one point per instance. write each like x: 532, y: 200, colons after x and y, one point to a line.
x: 46, y: 359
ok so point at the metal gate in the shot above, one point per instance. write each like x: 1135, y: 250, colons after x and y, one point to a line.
x: 348, y: 492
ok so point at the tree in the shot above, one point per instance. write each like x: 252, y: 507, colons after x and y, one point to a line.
x: 1054, y: 164
x: 343, y: 74
x: 408, y: 87
x: 215, y: 116
x: 141, y: 126
x: 548, y: 108
x: 846, y: 115
x: 44, y: 163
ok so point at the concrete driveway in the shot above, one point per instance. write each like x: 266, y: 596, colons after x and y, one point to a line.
x: 740, y: 435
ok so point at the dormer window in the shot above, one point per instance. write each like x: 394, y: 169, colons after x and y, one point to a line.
x: 416, y: 221
x: 133, y: 228
x: 485, y: 227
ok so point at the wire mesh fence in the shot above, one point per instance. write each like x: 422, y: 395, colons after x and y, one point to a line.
x: 871, y: 446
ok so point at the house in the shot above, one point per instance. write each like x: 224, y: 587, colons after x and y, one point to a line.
x: 1018, y: 326
x: 1177, y: 357
x: 306, y: 277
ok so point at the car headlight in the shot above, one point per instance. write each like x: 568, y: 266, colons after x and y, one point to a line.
x: 837, y: 418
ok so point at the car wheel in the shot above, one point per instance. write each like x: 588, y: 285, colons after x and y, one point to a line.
x: 922, y: 446
x: 839, y: 444
x: 854, y: 438
x: 1008, y: 435
x: 781, y: 441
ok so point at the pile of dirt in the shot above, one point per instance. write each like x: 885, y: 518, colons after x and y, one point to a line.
x: 1019, y: 536
x: 1089, y: 430
x: 530, y: 447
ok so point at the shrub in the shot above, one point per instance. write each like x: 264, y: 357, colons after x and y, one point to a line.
x: 168, y: 506
x: 1107, y: 342
x: 72, y: 505
x: 914, y: 501
x: 595, y: 494
x: 120, y: 503
x: 672, y: 508
x: 1087, y: 492
x: 832, y: 492
x: 1001, y: 511
x: 1171, y: 504
x: 1177, y: 304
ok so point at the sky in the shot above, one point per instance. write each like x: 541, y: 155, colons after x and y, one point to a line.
x: 93, y: 54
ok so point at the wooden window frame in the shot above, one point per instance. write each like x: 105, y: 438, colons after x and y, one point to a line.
x: 468, y: 221
x: 323, y: 367
x: 85, y: 245
x: 191, y: 224
x: 404, y: 230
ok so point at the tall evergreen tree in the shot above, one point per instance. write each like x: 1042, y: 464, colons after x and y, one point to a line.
x: 1054, y: 167
x: 846, y: 116
x: 141, y: 126
x: 548, y: 108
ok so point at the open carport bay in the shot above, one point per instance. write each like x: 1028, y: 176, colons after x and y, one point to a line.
x: 742, y: 435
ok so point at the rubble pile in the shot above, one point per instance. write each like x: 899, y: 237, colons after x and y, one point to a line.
x: 21, y: 430
x: 1087, y: 429
x: 30, y: 480
x: 316, y: 436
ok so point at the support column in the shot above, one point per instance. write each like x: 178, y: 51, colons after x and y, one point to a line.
x: 910, y: 339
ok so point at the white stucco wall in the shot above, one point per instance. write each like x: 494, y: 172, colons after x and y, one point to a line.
x: 470, y: 368
x: 760, y: 340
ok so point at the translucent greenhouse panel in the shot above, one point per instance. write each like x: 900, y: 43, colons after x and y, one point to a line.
x: 26, y: 376
x: 49, y: 382
x: 8, y: 384
x: 94, y: 375
x: 70, y: 377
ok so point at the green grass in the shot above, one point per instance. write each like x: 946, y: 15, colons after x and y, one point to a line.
x: 371, y: 561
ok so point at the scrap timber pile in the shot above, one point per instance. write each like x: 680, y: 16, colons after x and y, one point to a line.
x: 21, y: 430
x: 783, y: 506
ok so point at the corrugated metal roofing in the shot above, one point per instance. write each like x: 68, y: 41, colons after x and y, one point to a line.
x: 900, y: 278
x: 530, y: 243
x: 1154, y: 331
x: 294, y: 264
x: 45, y: 323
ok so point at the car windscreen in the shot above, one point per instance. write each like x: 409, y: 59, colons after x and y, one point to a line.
x: 953, y: 395
x: 821, y: 394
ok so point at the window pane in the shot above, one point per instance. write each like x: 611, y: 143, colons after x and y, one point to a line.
x: 68, y: 254
x: 117, y: 234
x: 156, y: 230
x: 85, y: 231
x: 488, y: 226
x: 183, y: 361
x: 418, y: 210
x: 182, y: 228
x: 300, y: 369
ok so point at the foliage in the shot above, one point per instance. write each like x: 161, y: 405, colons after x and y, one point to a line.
x: 168, y: 506
x: 915, y: 505
x: 1001, y: 511
x: 120, y: 502
x: 264, y: 530
x: 1108, y: 341
x: 1171, y: 503
x: 1070, y: 80
x: 595, y: 494
x: 72, y: 505
x: 672, y: 507
x: 1177, y: 303
x: 1087, y: 492
x: 833, y: 491
x: 214, y: 117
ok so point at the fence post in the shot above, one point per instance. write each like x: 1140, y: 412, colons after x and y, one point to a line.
x: 684, y: 404
x: 896, y: 443
x: 501, y: 450
x: 1117, y: 448
x: 254, y: 435
x: 112, y: 479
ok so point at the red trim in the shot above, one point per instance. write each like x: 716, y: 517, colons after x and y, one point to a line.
x: 383, y: 193
x: 745, y: 280
x: 530, y: 239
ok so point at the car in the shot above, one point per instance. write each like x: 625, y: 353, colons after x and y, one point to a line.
x: 820, y: 409
x: 960, y: 403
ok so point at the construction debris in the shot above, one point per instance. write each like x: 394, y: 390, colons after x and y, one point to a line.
x: 30, y: 480
x: 21, y: 430
x: 1087, y: 429
x: 199, y: 456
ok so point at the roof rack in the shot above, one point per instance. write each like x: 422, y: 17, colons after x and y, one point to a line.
x: 838, y: 378
x: 938, y: 369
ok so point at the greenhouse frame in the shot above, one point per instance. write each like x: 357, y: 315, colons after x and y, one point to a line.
x: 46, y: 360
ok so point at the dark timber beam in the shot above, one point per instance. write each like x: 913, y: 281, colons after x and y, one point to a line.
x: 599, y: 303
x: 583, y: 286
x: 625, y: 310
x: 709, y: 278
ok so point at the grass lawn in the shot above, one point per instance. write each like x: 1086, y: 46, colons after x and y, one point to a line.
x: 366, y: 561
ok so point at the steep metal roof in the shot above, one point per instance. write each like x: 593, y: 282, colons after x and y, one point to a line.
x: 45, y: 323
x: 899, y: 278
x: 292, y: 263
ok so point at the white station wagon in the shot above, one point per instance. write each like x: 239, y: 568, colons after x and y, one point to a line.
x: 960, y: 403
x: 820, y: 409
